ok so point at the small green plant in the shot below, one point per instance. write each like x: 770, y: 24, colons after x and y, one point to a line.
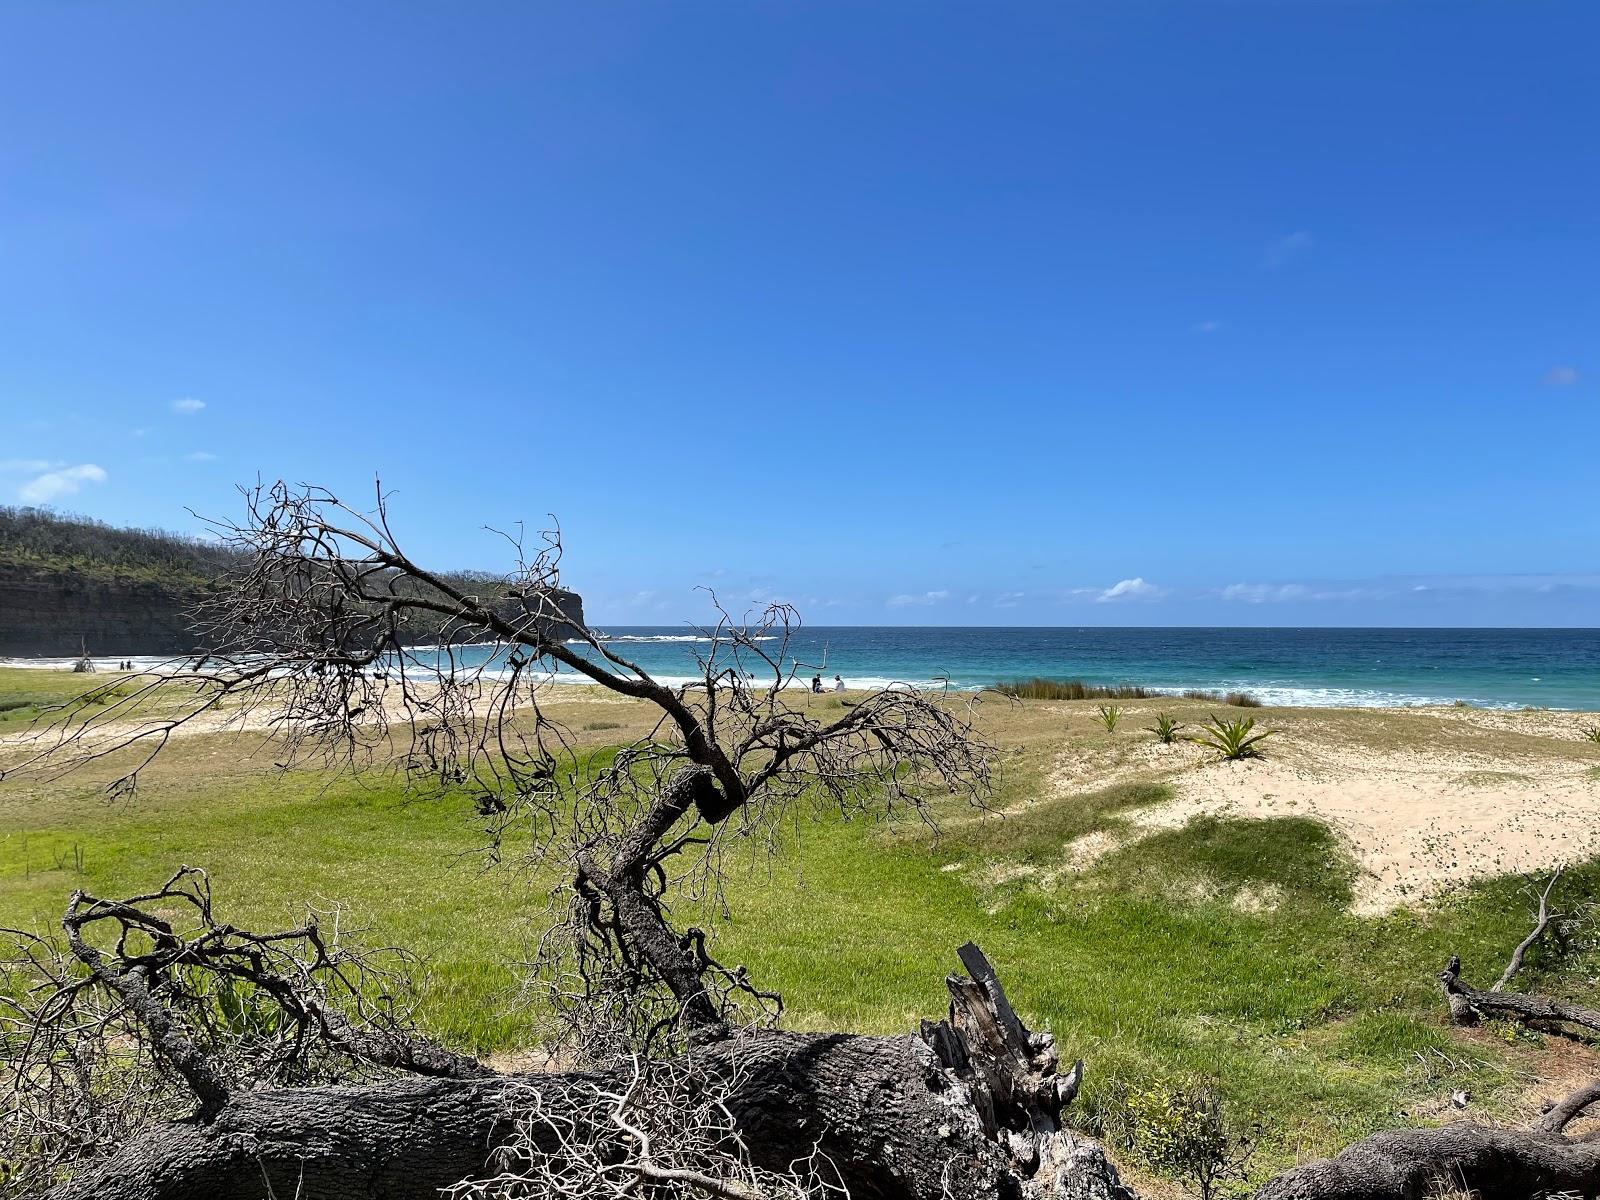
x: 595, y: 726
x: 1232, y: 739
x: 1166, y: 728
x: 1513, y: 1033
x: 1181, y: 1129
x: 1109, y: 716
x: 1592, y: 733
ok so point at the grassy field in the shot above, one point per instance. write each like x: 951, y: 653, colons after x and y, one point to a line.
x: 1224, y: 946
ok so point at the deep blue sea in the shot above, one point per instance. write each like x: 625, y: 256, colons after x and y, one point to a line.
x: 1554, y: 668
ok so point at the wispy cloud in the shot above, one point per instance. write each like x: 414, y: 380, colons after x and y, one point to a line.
x: 1283, y: 251
x: 199, y: 456
x: 1130, y: 589
x: 188, y: 406
x: 27, y: 466
x: 68, y: 481
x: 1425, y: 588
x: 1264, y: 593
x: 1208, y: 327
x: 907, y: 599
x: 1561, y: 377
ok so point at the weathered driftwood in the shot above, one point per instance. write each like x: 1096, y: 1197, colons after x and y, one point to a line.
x: 1469, y: 1004
x: 1411, y: 1164
x: 969, y: 1107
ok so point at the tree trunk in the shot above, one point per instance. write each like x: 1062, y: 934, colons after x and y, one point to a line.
x: 1411, y: 1164
x: 969, y: 1109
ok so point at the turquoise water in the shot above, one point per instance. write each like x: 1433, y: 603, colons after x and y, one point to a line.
x: 1554, y: 668
x: 1502, y: 668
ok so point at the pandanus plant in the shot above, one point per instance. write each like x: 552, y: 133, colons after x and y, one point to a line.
x: 1109, y: 716
x: 1232, y: 739
x: 1166, y: 728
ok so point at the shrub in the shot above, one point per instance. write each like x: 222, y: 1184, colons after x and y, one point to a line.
x: 1076, y: 689
x: 1592, y: 733
x: 1070, y: 689
x: 1232, y: 739
x: 1181, y: 1129
x: 1166, y: 729
x: 1237, y: 699
x: 597, y: 725
x: 1109, y: 717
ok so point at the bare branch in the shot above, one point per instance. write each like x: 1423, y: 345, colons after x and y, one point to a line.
x: 1542, y: 922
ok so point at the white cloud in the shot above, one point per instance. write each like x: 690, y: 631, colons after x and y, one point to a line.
x: 1008, y: 599
x: 200, y: 456
x: 1208, y: 327
x: 1286, y: 249
x: 27, y: 466
x: 1561, y: 377
x: 66, y: 482
x: 188, y: 406
x: 905, y: 599
x: 1130, y: 589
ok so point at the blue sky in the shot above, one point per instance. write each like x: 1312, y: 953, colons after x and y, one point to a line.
x: 1117, y: 313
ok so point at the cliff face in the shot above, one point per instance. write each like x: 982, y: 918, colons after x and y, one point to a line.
x: 58, y: 613
x: 55, y: 614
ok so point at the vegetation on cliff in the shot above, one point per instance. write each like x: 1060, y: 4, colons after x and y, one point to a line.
x: 37, y: 539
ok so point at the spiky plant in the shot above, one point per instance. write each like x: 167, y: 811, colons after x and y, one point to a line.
x: 1232, y: 739
x: 1109, y: 716
x: 1592, y: 733
x: 1166, y: 728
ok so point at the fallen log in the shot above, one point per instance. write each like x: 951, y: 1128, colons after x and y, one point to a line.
x: 970, y: 1106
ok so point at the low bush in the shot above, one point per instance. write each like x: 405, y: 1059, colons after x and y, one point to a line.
x: 1237, y: 699
x: 1181, y: 1129
x: 1071, y: 689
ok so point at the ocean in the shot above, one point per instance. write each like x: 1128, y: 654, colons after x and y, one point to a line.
x: 1499, y: 668
x: 1503, y: 668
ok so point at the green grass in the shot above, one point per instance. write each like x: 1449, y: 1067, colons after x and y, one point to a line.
x: 1224, y: 947
x: 1295, y: 856
x: 26, y: 694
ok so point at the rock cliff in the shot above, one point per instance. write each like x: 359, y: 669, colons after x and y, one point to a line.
x: 56, y: 613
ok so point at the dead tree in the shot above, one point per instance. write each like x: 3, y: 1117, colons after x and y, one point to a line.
x: 313, y: 646
x: 213, y: 1061
x: 1468, y: 1004
x: 249, y: 1028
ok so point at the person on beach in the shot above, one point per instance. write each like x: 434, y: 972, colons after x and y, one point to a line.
x: 838, y: 684
x: 816, y: 683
